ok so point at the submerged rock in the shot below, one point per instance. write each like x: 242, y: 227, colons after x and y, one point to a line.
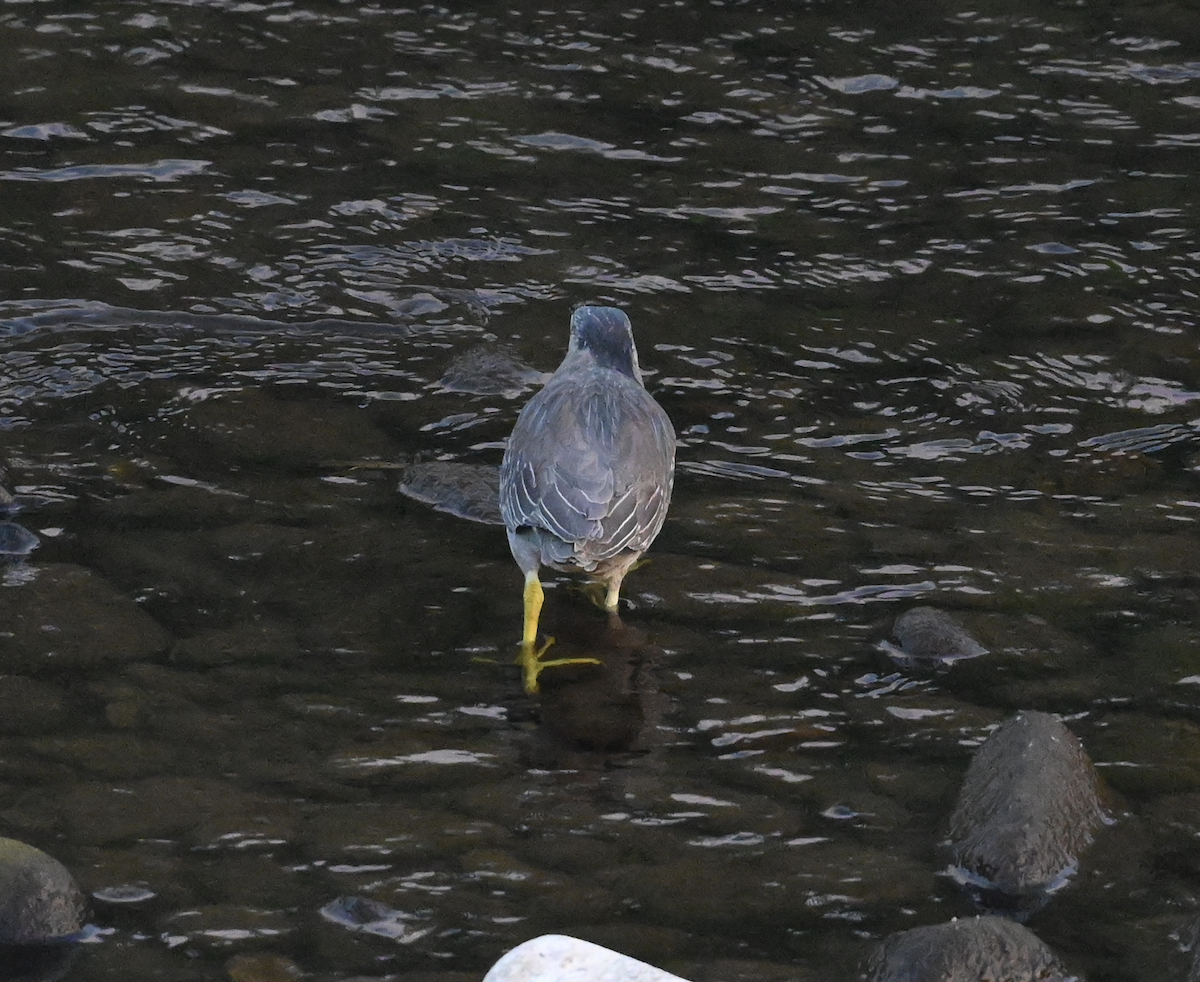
x: 125, y: 893
x: 261, y: 427
x: 1027, y: 810
x: 257, y: 641
x: 470, y: 491
x: 39, y: 900
x: 262, y: 967
x: 977, y: 949
x: 372, y: 917
x: 926, y: 634
x: 1164, y: 753
x: 557, y: 958
x: 490, y: 369
x: 16, y: 541
x: 69, y: 618
x: 37, y: 962
x: 31, y: 707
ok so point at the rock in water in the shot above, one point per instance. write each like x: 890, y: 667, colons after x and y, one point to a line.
x: 39, y: 900
x: 372, y: 917
x: 971, y: 949
x: 929, y: 635
x: 470, y: 491
x: 557, y: 958
x: 16, y: 541
x: 491, y: 369
x: 1027, y: 810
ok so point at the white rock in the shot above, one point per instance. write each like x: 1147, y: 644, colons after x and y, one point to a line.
x: 557, y: 958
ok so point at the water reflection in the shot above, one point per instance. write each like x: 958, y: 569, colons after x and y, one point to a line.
x: 615, y: 707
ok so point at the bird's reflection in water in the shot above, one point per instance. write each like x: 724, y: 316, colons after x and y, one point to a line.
x: 610, y: 707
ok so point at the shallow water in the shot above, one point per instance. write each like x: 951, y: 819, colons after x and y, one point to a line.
x: 916, y: 285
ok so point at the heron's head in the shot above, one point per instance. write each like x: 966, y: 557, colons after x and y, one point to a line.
x: 605, y: 334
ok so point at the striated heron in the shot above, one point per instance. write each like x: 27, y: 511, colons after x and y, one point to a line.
x: 587, y: 474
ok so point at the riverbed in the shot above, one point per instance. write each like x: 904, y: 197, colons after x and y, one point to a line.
x: 916, y: 285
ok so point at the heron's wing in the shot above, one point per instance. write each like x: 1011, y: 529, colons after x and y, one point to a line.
x: 643, y: 476
x: 550, y: 478
x: 591, y: 460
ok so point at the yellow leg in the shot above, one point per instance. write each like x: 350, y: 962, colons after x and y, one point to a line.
x: 530, y: 657
x: 607, y: 594
x: 534, y: 596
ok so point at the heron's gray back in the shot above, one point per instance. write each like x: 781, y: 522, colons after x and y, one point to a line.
x: 591, y: 461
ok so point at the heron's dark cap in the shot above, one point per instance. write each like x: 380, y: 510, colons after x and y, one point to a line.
x: 606, y: 334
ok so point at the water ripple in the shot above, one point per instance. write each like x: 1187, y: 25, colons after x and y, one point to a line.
x: 160, y: 170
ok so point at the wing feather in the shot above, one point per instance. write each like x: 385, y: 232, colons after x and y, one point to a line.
x: 593, y: 464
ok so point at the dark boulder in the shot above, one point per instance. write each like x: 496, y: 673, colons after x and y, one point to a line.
x: 974, y: 949
x: 1027, y: 810
x: 39, y: 900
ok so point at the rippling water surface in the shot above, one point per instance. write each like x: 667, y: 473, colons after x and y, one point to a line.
x: 917, y: 285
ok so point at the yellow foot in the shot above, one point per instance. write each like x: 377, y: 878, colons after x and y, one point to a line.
x: 530, y: 660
